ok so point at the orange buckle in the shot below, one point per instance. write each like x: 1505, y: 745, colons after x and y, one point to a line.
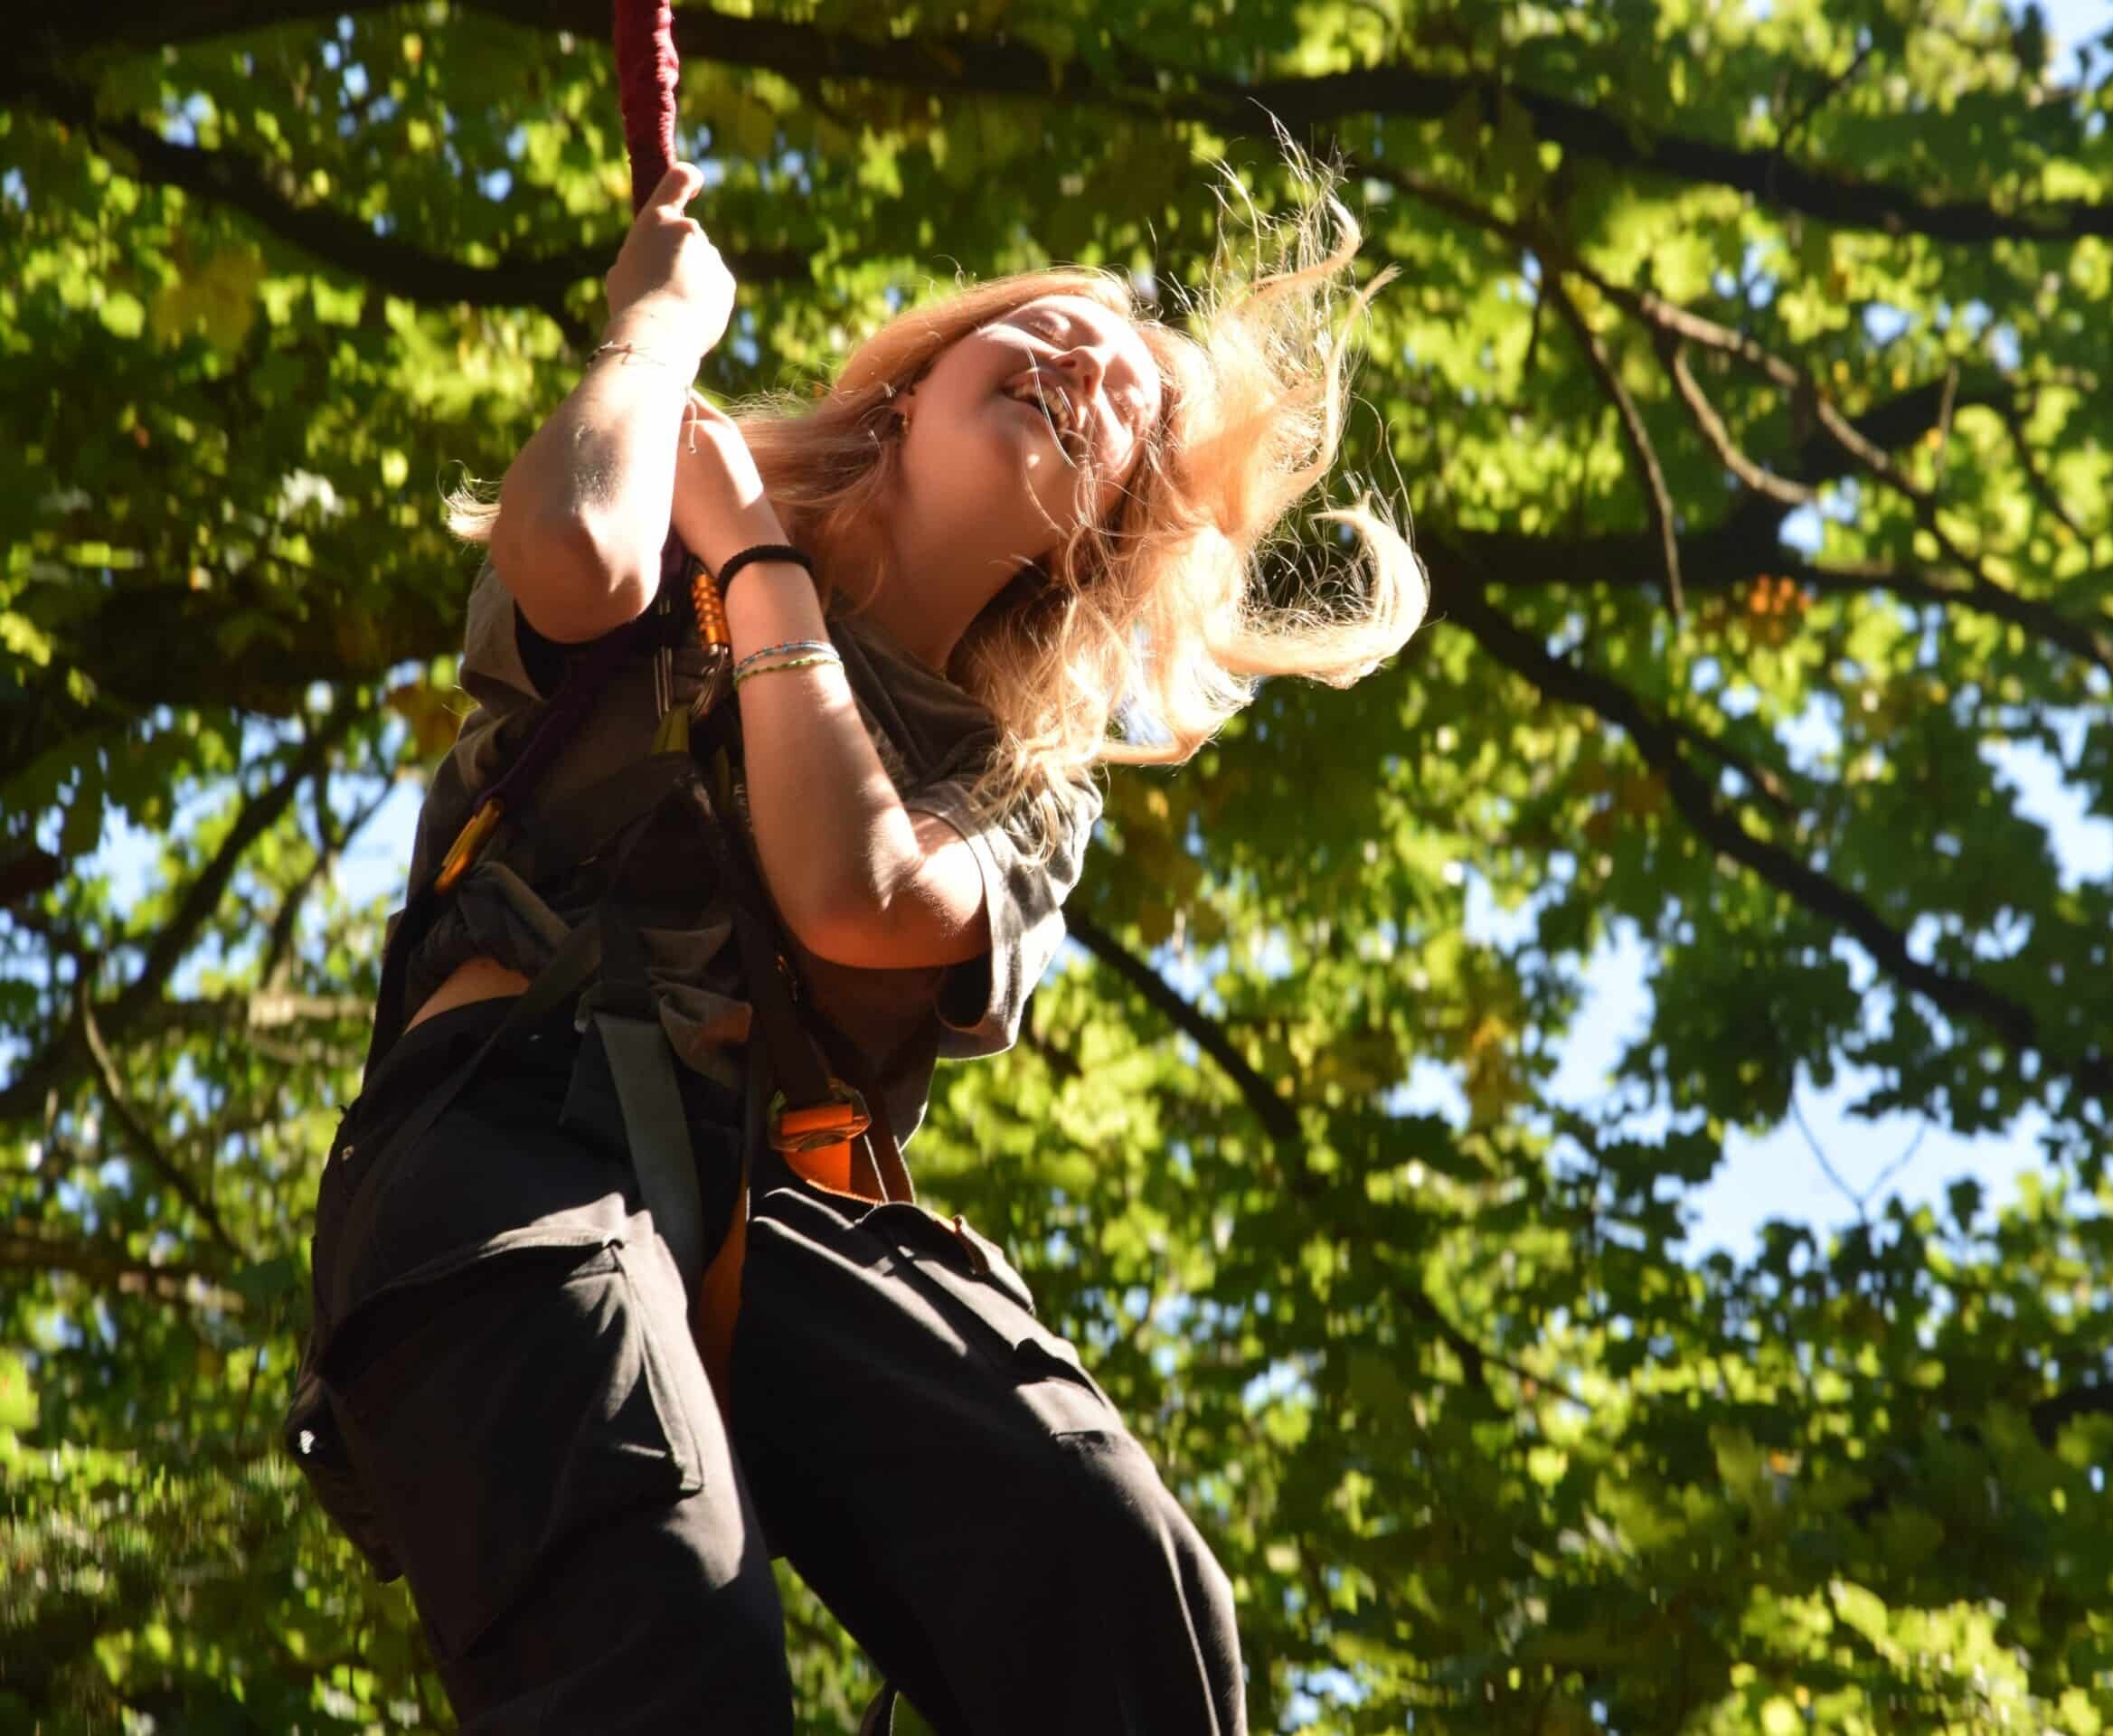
x: 820, y: 1125
x: 468, y: 845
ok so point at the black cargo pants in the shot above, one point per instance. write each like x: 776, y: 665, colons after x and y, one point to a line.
x: 518, y: 1388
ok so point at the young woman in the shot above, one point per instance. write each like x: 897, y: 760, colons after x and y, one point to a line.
x: 1031, y: 515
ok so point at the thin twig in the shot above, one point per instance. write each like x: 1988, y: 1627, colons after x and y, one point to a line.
x: 285, y: 923
x: 1820, y: 99
x: 249, y: 1398
x: 1674, y: 322
x: 1764, y: 780
x: 55, y: 1064
x: 1268, y: 1106
x: 1657, y: 498
x: 1724, y: 829
x: 2037, y: 480
x: 1820, y: 1158
x: 1533, y: 330
x: 1951, y: 392
x: 1900, y: 1162
x: 1712, y: 428
x: 137, y: 1131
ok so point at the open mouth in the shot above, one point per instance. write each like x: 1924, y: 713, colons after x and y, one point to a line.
x: 1053, y: 405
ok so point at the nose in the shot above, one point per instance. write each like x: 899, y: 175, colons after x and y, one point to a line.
x: 1085, y: 366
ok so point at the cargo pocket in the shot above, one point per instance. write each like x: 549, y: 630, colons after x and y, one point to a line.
x: 957, y: 1261
x: 494, y: 1413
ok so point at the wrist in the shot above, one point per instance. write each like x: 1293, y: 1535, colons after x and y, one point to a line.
x: 771, y: 600
x: 664, y: 328
x: 715, y: 537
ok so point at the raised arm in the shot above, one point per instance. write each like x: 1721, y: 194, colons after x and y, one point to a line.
x: 584, y: 508
x: 584, y: 513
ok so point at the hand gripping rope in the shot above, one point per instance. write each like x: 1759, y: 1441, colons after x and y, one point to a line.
x: 646, y: 70
x: 646, y: 74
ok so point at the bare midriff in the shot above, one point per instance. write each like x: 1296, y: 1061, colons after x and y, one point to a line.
x: 482, y: 978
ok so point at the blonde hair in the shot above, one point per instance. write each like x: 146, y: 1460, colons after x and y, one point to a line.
x: 1146, y: 632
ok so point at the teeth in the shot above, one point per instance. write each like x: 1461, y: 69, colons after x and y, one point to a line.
x: 1055, y: 405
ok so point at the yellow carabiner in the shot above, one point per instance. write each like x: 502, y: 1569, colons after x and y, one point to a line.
x: 468, y: 845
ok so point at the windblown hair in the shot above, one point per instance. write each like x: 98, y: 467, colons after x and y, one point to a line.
x: 1149, y: 629
x: 1136, y: 639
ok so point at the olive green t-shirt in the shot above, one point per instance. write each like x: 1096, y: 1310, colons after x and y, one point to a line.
x: 934, y: 740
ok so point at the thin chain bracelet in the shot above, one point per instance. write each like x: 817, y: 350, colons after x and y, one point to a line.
x: 790, y: 663
x: 643, y: 355
x: 790, y: 645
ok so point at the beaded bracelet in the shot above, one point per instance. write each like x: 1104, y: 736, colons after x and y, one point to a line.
x: 790, y: 663
x: 790, y: 645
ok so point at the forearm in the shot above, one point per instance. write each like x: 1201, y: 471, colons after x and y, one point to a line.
x: 585, y: 506
x: 855, y: 875
x: 842, y: 854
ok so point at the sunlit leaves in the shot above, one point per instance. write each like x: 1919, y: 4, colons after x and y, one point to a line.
x: 1479, y: 1447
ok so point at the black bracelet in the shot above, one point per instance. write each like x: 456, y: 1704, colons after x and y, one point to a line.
x: 761, y: 551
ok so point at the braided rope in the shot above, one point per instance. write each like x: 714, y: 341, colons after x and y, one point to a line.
x: 647, y: 72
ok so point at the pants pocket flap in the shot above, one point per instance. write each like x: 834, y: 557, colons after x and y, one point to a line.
x: 510, y: 1405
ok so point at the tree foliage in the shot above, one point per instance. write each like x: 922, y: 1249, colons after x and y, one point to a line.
x: 1747, y: 381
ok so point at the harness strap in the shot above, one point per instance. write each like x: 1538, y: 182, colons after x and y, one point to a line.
x: 879, y: 1719
x: 590, y: 819
x: 658, y: 1135
x: 577, y: 958
x: 817, y: 1121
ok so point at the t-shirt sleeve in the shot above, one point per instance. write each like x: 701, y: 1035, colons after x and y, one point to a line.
x: 981, y: 1001
x: 505, y: 662
x: 506, y: 702
x: 494, y: 672
x: 509, y: 671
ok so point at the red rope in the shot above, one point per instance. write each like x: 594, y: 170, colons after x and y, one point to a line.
x: 646, y: 71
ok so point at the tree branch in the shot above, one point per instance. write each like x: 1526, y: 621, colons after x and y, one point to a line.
x: 1864, y: 440
x: 1823, y: 95
x: 109, y: 1265
x: 1958, y: 997
x: 1766, y: 781
x: 265, y: 1010
x: 1277, y: 1116
x: 2041, y: 620
x: 66, y: 1052
x: 1657, y: 501
x: 204, y: 893
x: 2037, y: 480
x: 965, y: 65
x: 1740, y: 551
x: 330, y: 840
x: 141, y: 1137
x: 1673, y: 350
x: 391, y: 264
x: 971, y: 65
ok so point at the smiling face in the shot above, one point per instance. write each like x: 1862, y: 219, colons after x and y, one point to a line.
x: 1030, y: 426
